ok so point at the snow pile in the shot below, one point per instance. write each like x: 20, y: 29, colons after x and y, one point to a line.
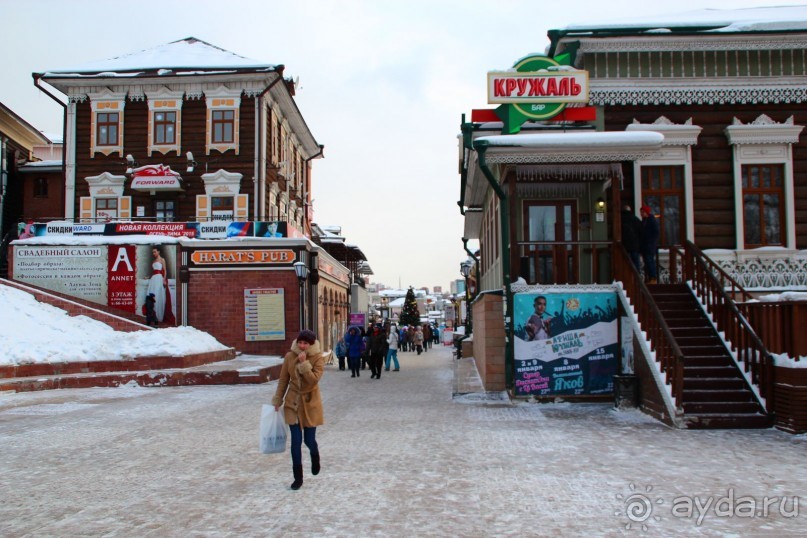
x: 786, y: 296
x: 785, y: 361
x: 33, y: 332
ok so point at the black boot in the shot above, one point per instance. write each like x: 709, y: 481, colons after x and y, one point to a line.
x: 298, y: 477
x: 315, y: 463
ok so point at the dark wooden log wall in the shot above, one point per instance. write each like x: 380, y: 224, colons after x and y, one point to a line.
x: 135, y: 142
x: 712, y: 163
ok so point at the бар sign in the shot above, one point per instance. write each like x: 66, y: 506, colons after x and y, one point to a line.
x: 537, y: 88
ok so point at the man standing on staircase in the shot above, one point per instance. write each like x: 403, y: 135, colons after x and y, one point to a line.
x: 650, y: 233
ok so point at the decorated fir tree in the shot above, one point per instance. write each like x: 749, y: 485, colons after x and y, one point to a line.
x: 410, y: 315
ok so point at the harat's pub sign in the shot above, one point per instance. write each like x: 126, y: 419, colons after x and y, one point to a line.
x: 537, y: 88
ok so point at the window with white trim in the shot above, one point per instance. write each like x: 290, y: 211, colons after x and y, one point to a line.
x: 165, y: 121
x: 106, y: 131
x: 764, y: 206
x: 223, y: 106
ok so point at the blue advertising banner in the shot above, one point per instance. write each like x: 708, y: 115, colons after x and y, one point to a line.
x: 567, y: 343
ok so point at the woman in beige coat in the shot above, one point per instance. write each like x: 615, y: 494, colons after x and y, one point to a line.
x: 298, y: 392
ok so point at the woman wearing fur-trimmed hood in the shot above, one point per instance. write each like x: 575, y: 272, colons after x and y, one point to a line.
x: 298, y: 392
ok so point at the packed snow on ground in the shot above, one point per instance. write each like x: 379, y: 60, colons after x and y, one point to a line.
x: 34, y: 332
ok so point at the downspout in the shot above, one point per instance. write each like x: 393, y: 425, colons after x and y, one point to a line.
x: 481, y: 147
x: 306, y: 201
x: 260, y: 150
x: 67, y: 149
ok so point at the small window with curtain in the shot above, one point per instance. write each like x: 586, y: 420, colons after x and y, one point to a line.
x: 165, y: 128
x: 106, y: 209
x: 763, y: 204
x: 165, y: 210
x: 106, y: 124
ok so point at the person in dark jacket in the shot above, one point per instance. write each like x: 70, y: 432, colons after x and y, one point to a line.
x: 632, y: 235
x: 649, y: 245
x: 378, y: 350
x: 355, y: 348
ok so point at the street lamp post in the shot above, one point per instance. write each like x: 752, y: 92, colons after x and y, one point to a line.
x: 465, y: 270
x: 301, y: 270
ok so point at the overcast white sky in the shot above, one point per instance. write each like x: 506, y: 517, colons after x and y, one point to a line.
x: 383, y: 87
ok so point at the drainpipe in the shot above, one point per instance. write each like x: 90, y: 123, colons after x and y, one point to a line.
x: 68, y: 148
x: 306, y: 204
x: 260, y: 169
x: 509, y: 362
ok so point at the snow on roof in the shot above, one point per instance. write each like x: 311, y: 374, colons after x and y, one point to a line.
x: 190, y: 54
x: 759, y: 19
x: 54, y: 138
x: 586, y: 140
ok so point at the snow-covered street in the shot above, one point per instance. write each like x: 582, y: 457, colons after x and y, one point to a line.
x: 400, y: 458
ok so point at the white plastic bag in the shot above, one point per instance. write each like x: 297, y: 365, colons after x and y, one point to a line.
x: 273, y: 431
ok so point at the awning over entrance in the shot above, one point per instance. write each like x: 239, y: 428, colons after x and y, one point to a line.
x: 156, y: 177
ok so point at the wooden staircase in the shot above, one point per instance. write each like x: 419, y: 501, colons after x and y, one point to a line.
x: 715, y: 392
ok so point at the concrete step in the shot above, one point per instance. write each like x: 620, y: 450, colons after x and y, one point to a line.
x: 249, y: 369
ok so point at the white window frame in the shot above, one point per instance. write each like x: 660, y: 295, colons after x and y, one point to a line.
x: 165, y: 100
x: 764, y: 141
x: 676, y: 150
x: 222, y: 98
x: 106, y: 102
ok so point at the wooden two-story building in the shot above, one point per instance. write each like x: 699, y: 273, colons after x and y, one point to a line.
x: 183, y: 132
x: 699, y: 117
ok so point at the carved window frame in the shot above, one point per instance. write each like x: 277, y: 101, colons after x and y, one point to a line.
x: 164, y: 100
x: 764, y: 141
x: 105, y: 102
x: 676, y: 150
x: 219, y: 99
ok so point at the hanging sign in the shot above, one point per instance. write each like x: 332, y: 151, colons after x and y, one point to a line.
x: 155, y: 177
x: 537, y: 88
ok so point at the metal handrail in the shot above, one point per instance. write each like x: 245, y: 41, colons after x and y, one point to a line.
x: 728, y: 318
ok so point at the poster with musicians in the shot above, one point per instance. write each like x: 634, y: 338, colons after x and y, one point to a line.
x: 567, y: 343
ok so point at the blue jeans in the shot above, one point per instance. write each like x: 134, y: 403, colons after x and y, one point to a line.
x: 392, y: 354
x: 310, y: 435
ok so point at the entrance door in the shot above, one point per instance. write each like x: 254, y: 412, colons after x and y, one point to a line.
x: 549, y: 228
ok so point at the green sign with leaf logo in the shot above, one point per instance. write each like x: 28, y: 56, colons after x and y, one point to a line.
x: 538, y: 88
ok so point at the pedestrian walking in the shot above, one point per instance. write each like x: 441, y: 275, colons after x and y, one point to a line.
x: 632, y: 235
x: 378, y: 349
x: 355, y: 348
x: 392, y: 351
x: 410, y: 337
x: 649, y: 244
x: 418, y: 339
x: 365, y: 354
x: 402, y: 336
x: 427, y: 336
x: 298, y: 393
x: 341, y: 352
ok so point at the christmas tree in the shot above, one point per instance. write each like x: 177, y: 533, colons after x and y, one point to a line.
x: 410, y: 315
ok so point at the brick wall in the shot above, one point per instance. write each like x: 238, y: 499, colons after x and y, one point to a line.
x: 216, y: 306
x: 489, y: 344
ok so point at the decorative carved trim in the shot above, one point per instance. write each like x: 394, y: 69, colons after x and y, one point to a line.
x: 760, y: 270
x: 674, y: 134
x: 687, y: 44
x: 629, y: 94
x: 559, y: 172
x: 763, y: 130
x: 550, y: 190
x: 222, y: 178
